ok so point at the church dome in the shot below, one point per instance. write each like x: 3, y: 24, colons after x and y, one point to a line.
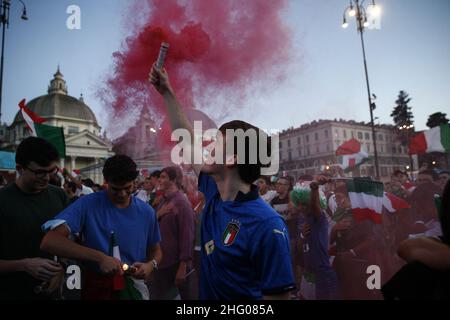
x: 57, y: 103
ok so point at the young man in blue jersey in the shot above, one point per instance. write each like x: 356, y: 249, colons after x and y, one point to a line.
x: 244, y: 242
x: 106, y: 221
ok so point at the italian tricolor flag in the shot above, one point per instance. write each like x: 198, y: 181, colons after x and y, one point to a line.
x: 128, y: 287
x: 436, y: 139
x: 54, y: 135
x: 352, y: 154
x: 114, y: 251
x: 366, y: 198
x: 393, y: 203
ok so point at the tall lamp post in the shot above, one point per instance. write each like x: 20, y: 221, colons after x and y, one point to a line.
x: 356, y: 9
x: 4, y: 20
x: 408, y: 127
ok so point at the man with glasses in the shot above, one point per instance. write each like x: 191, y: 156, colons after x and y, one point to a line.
x: 117, y: 230
x: 25, y: 206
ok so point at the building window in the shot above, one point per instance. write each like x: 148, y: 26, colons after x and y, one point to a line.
x: 336, y: 133
x: 328, y: 147
x: 360, y: 135
x: 399, y: 149
x: 384, y: 172
x: 289, y: 156
x: 1, y: 132
x: 366, y: 136
x: 380, y: 137
x: 368, y: 147
x: 73, y: 130
x: 382, y: 149
x: 345, y: 134
x: 281, y: 144
x: 298, y: 140
x: 316, y: 136
x: 289, y: 143
x: 326, y: 133
x: 394, y: 149
x: 317, y: 149
x: 307, y: 138
x: 88, y: 143
x: 308, y: 151
x: 353, y: 134
x: 300, y: 152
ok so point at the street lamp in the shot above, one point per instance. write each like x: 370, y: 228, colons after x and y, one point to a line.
x: 356, y: 9
x: 407, y: 127
x: 4, y: 20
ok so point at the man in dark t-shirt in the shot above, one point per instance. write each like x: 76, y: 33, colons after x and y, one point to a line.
x: 25, y: 206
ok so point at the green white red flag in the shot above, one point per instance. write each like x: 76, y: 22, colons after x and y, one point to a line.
x: 436, y: 139
x: 352, y: 154
x: 366, y: 198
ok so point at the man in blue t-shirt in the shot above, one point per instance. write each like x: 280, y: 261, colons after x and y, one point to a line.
x: 116, y: 229
x: 244, y: 243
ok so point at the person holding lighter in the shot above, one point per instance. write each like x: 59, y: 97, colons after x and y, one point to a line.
x: 109, y: 221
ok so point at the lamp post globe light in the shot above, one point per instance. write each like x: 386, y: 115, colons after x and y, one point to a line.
x: 408, y: 127
x: 4, y: 20
x: 357, y: 10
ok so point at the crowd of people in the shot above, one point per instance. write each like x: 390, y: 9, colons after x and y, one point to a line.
x: 214, y: 231
x: 330, y: 250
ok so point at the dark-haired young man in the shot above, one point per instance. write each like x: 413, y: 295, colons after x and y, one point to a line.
x: 423, y: 209
x: 71, y: 190
x: 245, y: 246
x: 263, y: 184
x: 155, y: 194
x: 176, y: 221
x: 25, y: 206
x: 443, y: 177
x: 401, y: 185
x: 98, y: 215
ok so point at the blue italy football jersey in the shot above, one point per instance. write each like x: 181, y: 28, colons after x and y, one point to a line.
x: 245, y: 247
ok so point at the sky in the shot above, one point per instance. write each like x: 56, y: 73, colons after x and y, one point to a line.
x: 325, y: 79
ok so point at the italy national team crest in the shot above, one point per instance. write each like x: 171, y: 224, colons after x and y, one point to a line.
x: 230, y: 233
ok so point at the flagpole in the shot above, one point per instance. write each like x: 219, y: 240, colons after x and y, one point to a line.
x: 359, y: 12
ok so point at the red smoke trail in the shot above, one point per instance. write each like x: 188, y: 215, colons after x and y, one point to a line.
x: 216, y: 46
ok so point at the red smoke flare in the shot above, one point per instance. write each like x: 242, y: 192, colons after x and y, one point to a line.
x: 216, y: 46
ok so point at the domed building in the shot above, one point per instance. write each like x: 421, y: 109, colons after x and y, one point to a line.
x: 85, y: 147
